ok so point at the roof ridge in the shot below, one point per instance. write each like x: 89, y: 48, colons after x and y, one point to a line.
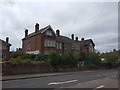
x: 5, y: 42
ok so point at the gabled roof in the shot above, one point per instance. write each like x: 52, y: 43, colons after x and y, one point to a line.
x: 87, y: 42
x: 4, y: 43
x: 40, y: 31
x: 46, y: 28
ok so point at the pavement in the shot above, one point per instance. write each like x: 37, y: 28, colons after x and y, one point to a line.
x: 80, y: 79
x: 28, y: 76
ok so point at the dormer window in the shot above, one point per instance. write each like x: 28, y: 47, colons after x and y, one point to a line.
x: 49, y: 33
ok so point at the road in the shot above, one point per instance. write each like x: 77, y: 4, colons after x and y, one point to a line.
x: 83, y: 79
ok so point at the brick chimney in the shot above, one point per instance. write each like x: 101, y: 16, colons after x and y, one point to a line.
x: 7, y: 39
x: 58, y: 32
x: 36, y: 27
x: 72, y: 36
x: 76, y: 38
x: 26, y: 32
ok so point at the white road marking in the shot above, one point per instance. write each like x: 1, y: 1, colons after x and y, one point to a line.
x: 56, y: 83
x: 98, y: 87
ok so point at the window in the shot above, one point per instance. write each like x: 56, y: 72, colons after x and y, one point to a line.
x: 54, y: 43
x: 60, y: 46
x: 57, y: 46
x: 49, y: 43
x: 28, y: 45
x: 91, y: 47
x: 49, y: 33
x: 45, y: 43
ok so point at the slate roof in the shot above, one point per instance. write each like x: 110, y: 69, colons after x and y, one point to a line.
x: 87, y: 42
x: 65, y: 39
x: 68, y: 40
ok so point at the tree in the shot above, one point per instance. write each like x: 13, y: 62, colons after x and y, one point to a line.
x: 95, y: 58
x: 69, y: 60
x: 55, y: 60
x: 111, y: 58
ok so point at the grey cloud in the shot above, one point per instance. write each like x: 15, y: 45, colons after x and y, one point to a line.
x: 90, y: 20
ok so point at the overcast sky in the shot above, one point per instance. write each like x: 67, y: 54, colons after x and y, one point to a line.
x: 92, y: 20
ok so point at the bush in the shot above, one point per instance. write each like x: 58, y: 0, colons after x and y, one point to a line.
x: 28, y: 56
x: 111, y: 58
x: 55, y: 59
x: 66, y: 60
x: 69, y: 60
x: 20, y: 61
x: 21, y: 58
x: 15, y: 61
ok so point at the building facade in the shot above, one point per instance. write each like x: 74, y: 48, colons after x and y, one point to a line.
x: 45, y: 41
x: 5, y: 49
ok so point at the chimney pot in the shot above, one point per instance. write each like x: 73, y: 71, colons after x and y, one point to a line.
x: 26, y: 32
x: 58, y: 32
x: 82, y: 39
x: 76, y: 38
x: 36, y: 27
x: 72, y: 36
x: 7, y: 39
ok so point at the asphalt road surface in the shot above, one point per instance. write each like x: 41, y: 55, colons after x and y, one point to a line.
x: 83, y: 79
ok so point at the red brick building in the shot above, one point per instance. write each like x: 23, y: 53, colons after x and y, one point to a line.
x: 5, y: 49
x: 40, y: 41
x: 87, y: 45
x: 45, y: 41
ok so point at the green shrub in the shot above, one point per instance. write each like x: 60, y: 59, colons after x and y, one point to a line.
x: 55, y: 59
x: 66, y: 60
x: 20, y: 61
x: 28, y: 56
x: 15, y: 61
x: 16, y: 54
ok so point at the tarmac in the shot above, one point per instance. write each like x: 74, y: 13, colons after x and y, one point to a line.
x: 101, y: 83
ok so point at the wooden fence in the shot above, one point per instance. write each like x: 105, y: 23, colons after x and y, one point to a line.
x: 8, y: 69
